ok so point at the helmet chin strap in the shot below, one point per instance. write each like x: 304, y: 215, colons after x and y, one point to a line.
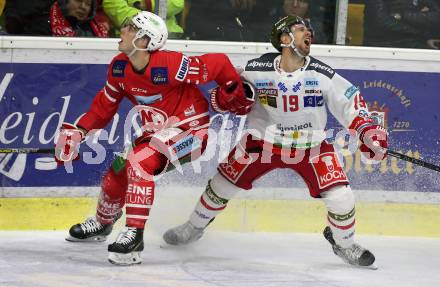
x: 293, y: 46
x: 135, y: 48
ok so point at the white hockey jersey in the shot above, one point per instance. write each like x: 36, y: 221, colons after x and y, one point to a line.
x: 290, y: 109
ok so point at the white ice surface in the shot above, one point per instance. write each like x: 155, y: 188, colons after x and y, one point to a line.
x: 219, y: 259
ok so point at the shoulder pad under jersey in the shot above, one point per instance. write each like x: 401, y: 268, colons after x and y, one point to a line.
x: 320, y: 67
x: 263, y: 63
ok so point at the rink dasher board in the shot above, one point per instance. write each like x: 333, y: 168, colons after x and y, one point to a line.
x: 386, y: 210
x: 101, y: 51
x: 259, y: 193
x: 260, y: 210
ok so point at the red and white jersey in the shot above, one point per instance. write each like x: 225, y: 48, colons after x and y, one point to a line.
x: 166, y: 89
x: 291, y: 107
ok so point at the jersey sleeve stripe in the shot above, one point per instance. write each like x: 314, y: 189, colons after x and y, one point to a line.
x: 111, y: 87
x: 111, y: 99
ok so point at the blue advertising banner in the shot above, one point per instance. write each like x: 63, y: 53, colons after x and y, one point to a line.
x: 408, y: 103
x: 36, y: 98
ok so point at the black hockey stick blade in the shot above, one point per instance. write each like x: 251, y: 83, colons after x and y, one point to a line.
x: 414, y: 160
x: 28, y: 150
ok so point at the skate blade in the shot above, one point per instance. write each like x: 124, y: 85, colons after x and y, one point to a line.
x: 90, y: 239
x: 124, y: 259
x: 371, y: 267
x: 173, y: 241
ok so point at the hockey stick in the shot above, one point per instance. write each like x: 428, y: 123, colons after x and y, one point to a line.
x: 414, y: 160
x: 27, y: 150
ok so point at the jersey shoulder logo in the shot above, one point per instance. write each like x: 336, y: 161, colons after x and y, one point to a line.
x: 264, y: 63
x: 320, y: 67
x: 183, y: 69
x: 159, y: 75
x: 351, y: 91
x: 118, y: 68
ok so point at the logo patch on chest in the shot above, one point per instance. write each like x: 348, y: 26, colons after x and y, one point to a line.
x: 260, y: 84
x: 152, y: 119
x: 311, y: 82
x: 296, y: 87
x: 267, y: 100
x: 159, y: 75
x: 118, y: 68
x: 268, y: 97
x: 313, y: 101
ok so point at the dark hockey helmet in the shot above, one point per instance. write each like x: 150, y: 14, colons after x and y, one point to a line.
x: 283, y: 26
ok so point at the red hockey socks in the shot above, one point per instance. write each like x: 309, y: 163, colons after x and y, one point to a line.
x: 139, y: 198
x: 112, y: 196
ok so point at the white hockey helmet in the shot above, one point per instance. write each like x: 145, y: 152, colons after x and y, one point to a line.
x: 150, y: 25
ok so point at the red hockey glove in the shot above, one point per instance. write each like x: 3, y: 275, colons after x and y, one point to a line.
x: 374, y: 142
x: 233, y: 97
x: 67, y: 145
x: 373, y: 137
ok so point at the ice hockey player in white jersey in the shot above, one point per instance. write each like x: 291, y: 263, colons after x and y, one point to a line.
x: 287, y: 130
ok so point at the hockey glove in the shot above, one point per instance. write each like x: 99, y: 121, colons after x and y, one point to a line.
x: 373, y: 137
x: 67, y: 145
x: 233, y: 97
x: 374, y: 142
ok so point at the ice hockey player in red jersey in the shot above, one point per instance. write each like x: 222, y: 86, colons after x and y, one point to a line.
x: 162, y: 86
x: 287, y: 130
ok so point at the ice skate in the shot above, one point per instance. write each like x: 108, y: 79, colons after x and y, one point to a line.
x: 183, y: 234
x: 126, y: 250
x: 355, y: 255
x: 91, y: 230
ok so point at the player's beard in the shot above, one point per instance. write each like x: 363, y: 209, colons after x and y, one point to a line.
x: 303, y: 49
